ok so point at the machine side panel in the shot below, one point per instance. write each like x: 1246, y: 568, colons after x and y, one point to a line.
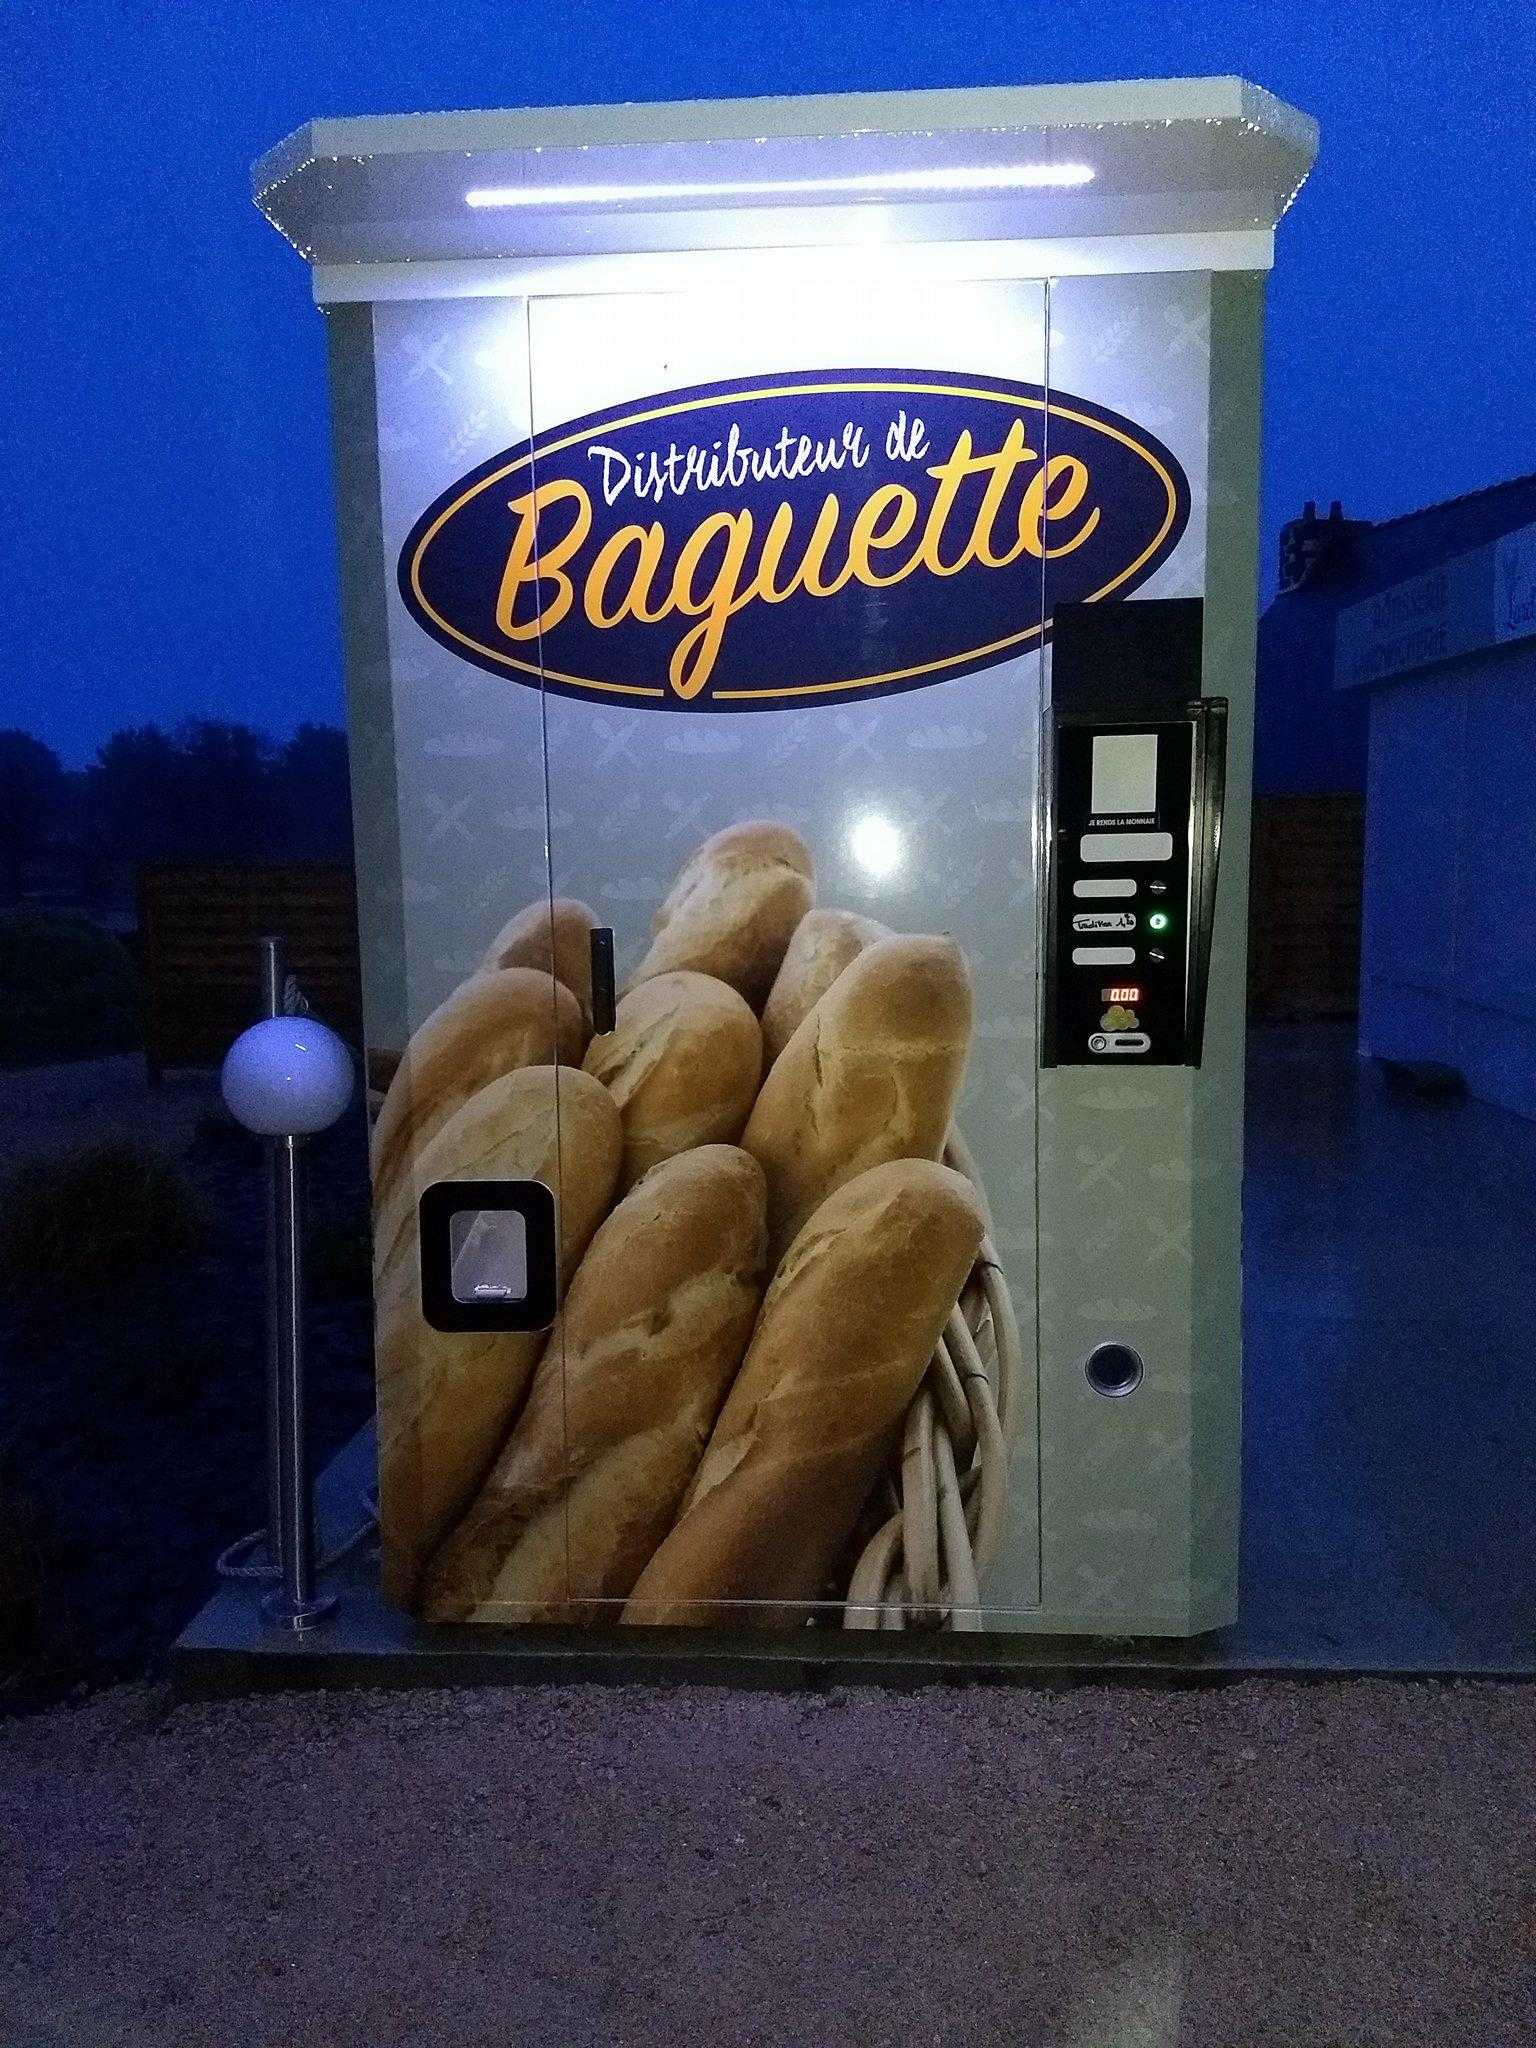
x: 1231, y: 626
x: 370, y: 698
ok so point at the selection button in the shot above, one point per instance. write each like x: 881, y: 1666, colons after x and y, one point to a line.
x: 1103, y: 956
x: 1104, y: 921
x: 1107, y: 885
x: 1098, y: 849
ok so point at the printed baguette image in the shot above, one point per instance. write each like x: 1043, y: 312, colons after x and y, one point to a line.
x: 784, y: 1354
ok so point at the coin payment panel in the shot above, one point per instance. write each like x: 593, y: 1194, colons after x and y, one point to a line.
x: 1136, y: 780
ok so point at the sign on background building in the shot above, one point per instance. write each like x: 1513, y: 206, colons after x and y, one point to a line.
x: 1486, y: 595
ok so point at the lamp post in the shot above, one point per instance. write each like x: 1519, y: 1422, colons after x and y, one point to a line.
x: 286, y: 1078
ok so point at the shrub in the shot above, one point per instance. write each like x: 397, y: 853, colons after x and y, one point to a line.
x: 88, y: 1218
x: 67, y: 989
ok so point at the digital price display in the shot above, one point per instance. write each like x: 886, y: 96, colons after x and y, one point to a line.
x: 1125, y: 994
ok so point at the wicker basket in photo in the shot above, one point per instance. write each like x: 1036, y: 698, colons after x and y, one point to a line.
x: 948, y: 1499
x: 945, y: 1501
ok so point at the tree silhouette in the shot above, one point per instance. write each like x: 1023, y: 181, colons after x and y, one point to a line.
x: 133, y: 796
x: 212, y: 790
x: 32, y: 798
x: 226, y: 779
x: 314, y: 794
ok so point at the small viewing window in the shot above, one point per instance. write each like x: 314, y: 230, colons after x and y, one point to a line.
x: 488, y: 1252
x: 488, y: 1255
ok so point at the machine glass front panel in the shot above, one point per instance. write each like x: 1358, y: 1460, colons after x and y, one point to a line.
x: 711, y: 617
x: 914, y: 802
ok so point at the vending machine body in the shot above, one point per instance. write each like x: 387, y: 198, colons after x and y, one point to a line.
x: 812, y: 541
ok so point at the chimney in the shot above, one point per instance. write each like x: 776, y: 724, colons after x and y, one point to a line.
x: 1318, y: 551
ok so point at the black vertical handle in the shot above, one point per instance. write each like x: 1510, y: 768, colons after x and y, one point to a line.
x: 1210, y: 795
x: 603, y: 994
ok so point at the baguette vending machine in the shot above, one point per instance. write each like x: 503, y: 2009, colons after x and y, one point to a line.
x: 798, y: 567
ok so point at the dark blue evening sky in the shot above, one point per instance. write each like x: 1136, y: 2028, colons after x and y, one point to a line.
x: 167, y: 517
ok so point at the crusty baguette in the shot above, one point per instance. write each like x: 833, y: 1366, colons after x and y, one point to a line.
x: 490, y: 1025
x: 556, y: 937
x: 871, y: 1074
x: 840, y: 1348
x: 683, y: 1062
x: 824, y: 943
x: 446, y: 1400
x: 732, y: 909
x: 653, y: 1329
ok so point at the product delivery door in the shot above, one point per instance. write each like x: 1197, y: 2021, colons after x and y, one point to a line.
x: 778, y: 567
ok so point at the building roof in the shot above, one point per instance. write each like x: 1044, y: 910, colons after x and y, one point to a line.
x: 1509, y: 483
x: 1410, y: 542
x: 1308, y: 735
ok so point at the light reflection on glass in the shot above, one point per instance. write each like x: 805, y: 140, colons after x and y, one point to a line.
x: 876, y: 845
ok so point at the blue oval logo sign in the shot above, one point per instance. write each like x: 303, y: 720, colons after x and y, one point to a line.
x: 816, y: 537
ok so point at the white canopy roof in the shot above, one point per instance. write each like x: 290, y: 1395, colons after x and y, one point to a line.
x: 1034, y: 163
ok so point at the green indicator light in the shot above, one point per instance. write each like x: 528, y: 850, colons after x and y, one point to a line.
x: 1158, y: 921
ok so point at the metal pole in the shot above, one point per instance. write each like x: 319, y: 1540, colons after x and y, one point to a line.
x: 273, y: 971
x: 291, y: 1525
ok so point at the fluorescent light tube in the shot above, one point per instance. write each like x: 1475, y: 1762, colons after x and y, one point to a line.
x: 981, y: 178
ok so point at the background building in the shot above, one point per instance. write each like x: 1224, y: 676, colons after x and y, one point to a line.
x: 1311, y: 740
x: 1445, y: 663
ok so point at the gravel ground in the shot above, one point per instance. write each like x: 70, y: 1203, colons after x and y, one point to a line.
x: 1326, y: 1864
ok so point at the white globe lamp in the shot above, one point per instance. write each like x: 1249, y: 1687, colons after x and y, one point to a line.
x: 287, y: 1077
